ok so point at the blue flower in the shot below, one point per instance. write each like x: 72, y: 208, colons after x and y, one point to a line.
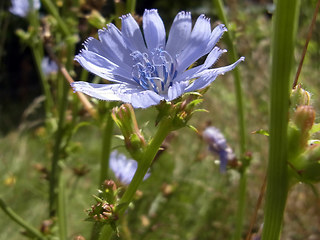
x: 146, y: 69
x: 123, y: 168
x: 22, y: 8
x: 218, y: 145
x: 48, y: 66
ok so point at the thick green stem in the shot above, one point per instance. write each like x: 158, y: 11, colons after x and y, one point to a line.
x: 106, y: 148
x: 131, y: 6
x: 283, y: 39
x: 241, y: 122
x: 15, y: 217
x: 164, y: 129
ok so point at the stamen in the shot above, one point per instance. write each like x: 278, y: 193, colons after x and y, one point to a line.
x: 154, y: 72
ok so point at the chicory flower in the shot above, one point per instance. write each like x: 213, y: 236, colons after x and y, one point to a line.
x: 22, y: 8
x: 218, y: 145
x: 123, y: 168
x: 48, y: 66
x: 146, y: 69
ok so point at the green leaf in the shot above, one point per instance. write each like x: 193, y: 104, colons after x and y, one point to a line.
x: 315, y: 128
x: 261, y: 132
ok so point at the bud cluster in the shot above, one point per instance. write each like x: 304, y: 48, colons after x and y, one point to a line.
x: 304, y: 158
x: 180, y: 112
x: 102, y: 212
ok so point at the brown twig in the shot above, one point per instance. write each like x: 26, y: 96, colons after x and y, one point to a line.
x: 306, y: 44
x: 87, y: 105
x: 254, y: 216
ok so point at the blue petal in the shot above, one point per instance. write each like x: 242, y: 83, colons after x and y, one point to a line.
x: 145, y: 99
x: 153, y: 29
x: 179, y: 33
x: 208, y: 76
x: 213, y: 56
x: 132, y: 35
x: 128, y: 93
x: 197, y: 44
x: 176, y: 90
x: 101, y: 66
x: 215, y: 36
x: 114, y: 46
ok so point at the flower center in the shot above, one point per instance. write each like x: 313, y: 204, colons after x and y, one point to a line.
x: 154, y: 71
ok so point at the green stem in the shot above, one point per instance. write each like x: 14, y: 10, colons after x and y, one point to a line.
x: 15, y: 217
x: 283, y: 39
x: 62, y: 216
x: 45, y: 85
x: 241, y: 205
x: 55, y: 171
x: 233, y: 56
x: 131, y: 6
x: 164, y: 129
x: 37, y: 51
x: 51, y: 8
x: 106, y: 148
x: 241, y: 121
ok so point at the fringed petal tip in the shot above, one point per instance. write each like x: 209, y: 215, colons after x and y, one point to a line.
x: 223, y: 27
x: 125, y: 16
x: 241, y: 59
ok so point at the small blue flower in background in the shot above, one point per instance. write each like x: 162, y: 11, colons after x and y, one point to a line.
x: 123, y: 168
x: 218, y: 145
x: 146, y: 68
x: 22, y: 8
x: 48, y: 66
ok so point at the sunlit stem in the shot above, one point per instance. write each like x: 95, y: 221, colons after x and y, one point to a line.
x: 165, y: 127
x: 37, y: 51
x: 131, y: 6
x: 283, y: 39
x: 241, y: 121
x: 106, y: 148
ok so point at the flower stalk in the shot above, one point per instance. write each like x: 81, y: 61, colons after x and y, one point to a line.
x: 106, y: 148
x: 241, y: 123
x: 164, y: 128
x: 283, y: 39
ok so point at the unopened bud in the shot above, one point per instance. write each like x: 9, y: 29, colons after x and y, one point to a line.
x: 125, y: 118
x: 304, y: 117
x: 96, y: 19
x: 299, y: 97
x: 308, y: 165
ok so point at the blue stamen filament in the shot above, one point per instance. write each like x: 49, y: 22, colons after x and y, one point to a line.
x: 155, y: 72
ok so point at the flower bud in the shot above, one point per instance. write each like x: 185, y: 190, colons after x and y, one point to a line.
x: 109, y: 191
x: 218, y: 145
x: 304, y: 117
x: 96, y: 19
x: 308, y: 165
x: 299, y: 96
x: 125, y: 118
